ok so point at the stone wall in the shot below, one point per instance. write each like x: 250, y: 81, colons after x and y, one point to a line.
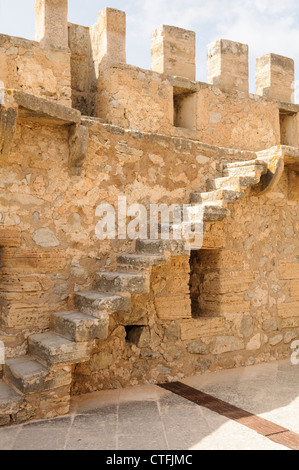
x: 26, y: 66
x: 246, y: 310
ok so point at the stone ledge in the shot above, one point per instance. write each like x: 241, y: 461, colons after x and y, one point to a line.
x: 42, y: 110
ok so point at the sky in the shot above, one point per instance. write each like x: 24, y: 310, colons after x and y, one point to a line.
x: 265, y: 25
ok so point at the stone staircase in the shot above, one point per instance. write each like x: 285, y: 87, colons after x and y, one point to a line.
x: 38, y: 384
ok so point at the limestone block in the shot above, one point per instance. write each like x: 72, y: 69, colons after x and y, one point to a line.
x: 3, y: 69
x: 174, y: 307
x: 228, y: 282
x: 49, y: 404
x: 29, y: 376
x: 51, y: 22
x: 140, y: 336
x: 288, y: 270
x: 247, y: 326
x: 101, y: 361
x: 228, y: 65
x: 8, y: 118
x: 275, y: 77
x: 52, y: 349
x: 197, y: 347
x: 290, y: 323
x: 294, y: 289
x: 254, y: 343
x: 108, y: 38
x: 45, y: 237
x: 193, y: 329
x: 288, y: 310
x: 293, y: 185
x: 276, y: 340
x: 173, y: 51
x: 10, y: 237
x: 225, y: 344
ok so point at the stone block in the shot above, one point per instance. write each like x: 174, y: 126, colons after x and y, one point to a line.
x: 8, y: 119
x: 173, y: 51
x: 294, y: 289
x: 10, y: 237
x: 97, y: 303
x: 228, y: 282
x: 80, y: 327
x: 254, y: 343
x: 10, y: 404
x: 108, y: 38
x: 288, y: 310
x: 173, y: 307
x: 275, y: 77
x: 228, y: 65
x: 29, y: 376
x: 52, y: 349
x: 290, y: 323
x: 50, y: 403
x: 288, y: 270
x: 225, y: 344
x: 133, y: 283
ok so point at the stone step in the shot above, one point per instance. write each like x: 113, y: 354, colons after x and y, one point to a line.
x: 80, y: 327
x: 11, y: 403
x: 254, y: 170
x: 198, y: 213
x: 140, y: 260
x: 235, y: 183
x: 219, y: 197
x: 30, y: 376
x: 99, y: 304
x: 134, y: 283
x: 245, y: 163
x: 51, y: 349
x: 179, y: 231
x: 155, y: 247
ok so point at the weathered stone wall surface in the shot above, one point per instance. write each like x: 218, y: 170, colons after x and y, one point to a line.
x: 237, y: 120
x: 26, y: 66
x: 138, y: 99
x: 248, y: 298
x: 47, y: 231
x: 134, y: 98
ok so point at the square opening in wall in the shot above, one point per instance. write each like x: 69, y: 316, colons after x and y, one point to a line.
x: 184, y: 109
x: 288, y: 128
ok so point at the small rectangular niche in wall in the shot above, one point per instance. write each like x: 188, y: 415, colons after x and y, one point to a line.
x: 184, y: 109
x: 288, y: 128
x: 204, y: 283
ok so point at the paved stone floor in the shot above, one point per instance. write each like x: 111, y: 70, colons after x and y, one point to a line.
x: 150, y: 418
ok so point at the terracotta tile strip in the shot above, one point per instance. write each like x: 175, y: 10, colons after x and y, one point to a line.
x: 262, y: 426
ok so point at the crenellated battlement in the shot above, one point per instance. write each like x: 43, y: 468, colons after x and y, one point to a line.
x: 85, y: 68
